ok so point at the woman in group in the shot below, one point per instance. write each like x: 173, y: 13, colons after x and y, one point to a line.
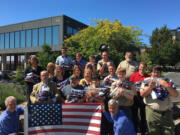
x: 58, y: 77
x: 77, y: 72
x: 58, y: 74
x: 50, y: 69
x: 123, y: 91
x: 87, y: 80
x: 32, y: 75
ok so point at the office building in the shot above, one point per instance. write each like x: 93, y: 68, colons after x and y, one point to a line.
x: 18, y: 41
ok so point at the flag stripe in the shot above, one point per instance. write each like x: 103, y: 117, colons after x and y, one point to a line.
x: 82, y: 123
x: 82, y: 127
x: 79, y: 127
x: 79, y: 106
x: 81, y: 117
x: 80, y: 110
x: 62, y: 133
x: 82, y: 120
x: 82, y: 113
x: 63, y: 130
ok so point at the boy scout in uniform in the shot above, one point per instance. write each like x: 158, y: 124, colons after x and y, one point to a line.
x: 158, y: 111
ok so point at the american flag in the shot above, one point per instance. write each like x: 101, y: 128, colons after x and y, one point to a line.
x: 68, y: 119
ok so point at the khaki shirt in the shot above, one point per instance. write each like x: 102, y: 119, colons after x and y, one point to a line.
x: 157, y: 104
x: 130, y: 67
x: 122, y: 100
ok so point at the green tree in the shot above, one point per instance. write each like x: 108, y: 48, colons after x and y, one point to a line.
x: 118, y: 37
x: 46, y: 55
x: 145, y: 57
x: 163, y: 51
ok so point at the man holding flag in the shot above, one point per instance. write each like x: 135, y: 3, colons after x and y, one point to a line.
x: 65, y: 119
x: 9, y: 119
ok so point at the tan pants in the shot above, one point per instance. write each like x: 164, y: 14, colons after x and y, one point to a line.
x: 159, y: 123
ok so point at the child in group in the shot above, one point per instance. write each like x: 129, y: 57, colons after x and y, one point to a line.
x: 123, y: 91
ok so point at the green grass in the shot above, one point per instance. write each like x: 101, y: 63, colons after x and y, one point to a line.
x: 11, y: 90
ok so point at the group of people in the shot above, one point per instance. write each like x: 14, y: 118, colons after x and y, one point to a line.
x: 124, y: 92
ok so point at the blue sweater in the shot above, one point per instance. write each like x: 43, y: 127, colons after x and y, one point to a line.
x: 9, y: 122
x: 122, y: 125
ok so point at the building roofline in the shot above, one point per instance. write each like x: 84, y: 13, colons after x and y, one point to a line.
x: 74, y: 19
x: 42, y: 19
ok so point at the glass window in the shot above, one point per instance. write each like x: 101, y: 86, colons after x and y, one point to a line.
x: 23, y: 37
x: 0, y: 62
x: 75, y: 31
x: 8, y: 62
x: 1, y: 41
x: 11, y: 62
x: 69, y: 30
x: 48, y: 36
x: 17, y: 39
x: 22, y: 58
x: 56, y: 35
x: 34, y: 37
x: 41, y: 36
x: 12, y: 40
x: 28, y: 38
x: 7, y: 40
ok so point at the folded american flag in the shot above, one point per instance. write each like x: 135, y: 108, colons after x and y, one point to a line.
x: 159, y: 92
x: 68, y: 119
x: 63, y: 83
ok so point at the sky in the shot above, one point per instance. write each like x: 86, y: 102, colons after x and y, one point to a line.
x: 146, y: 14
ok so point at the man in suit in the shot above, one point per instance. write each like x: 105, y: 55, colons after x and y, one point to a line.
x: 45, y: 91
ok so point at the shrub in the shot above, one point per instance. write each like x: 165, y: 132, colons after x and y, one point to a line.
x: 46, y: 55
x: 10, y: 90
x: 18, y: 76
